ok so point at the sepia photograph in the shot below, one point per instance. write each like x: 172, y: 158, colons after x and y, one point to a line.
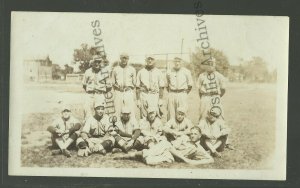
x: 148, y: 95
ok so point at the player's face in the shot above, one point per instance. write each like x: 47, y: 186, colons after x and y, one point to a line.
x: 195, y: 135
x: 96, y: 64
x: 125, y: 116
x: 124, y: 61
x: 151, y: 116
x: 66, y: 114
x: 179, y: 116
x: 99, y: 110
x: 150, y: 62
x: 211, y: 118
x: 177, y: 64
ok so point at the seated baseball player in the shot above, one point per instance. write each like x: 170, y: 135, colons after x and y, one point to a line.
x: 95, y: 136
x: 214, y: 132
x: 188, y: 148
x: 151, y: 129
x: 178, y: 126
x: 63, y: 131
x: 128, y: 131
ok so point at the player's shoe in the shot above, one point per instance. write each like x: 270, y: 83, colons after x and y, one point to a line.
x: 229, y: 146
x: 56, y: 152
x: 116, y: 150
x: 66, y: 153
x: 216, y: 154
x: 102, y: 152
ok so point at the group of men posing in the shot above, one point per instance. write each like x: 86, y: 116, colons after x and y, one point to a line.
x: 148, y: 138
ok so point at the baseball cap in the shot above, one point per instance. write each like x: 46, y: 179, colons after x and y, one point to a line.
x: 148, y: 56
x: 151, y: 109
x: 65, y: 107
x: 177, y: 59
x: 124, y: 55
x: 98, y: 103
x: 96, y: 58
x: 125, y: 110
x: 181, y: 109
x: 215, y: 111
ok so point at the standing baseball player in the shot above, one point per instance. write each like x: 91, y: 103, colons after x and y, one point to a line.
x: 124, y: 80
x: 211, y: 85
x: 150, y: 87
x: 179, y: 84
x: 95, y: 135
x: 96, y: 83
x: 177, y: 126
x: 214, y: 132
x: 63, y: 131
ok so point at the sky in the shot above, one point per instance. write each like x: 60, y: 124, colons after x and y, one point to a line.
x: 38, y: 34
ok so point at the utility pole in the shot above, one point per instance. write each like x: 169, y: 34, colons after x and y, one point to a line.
x: 181, y: 47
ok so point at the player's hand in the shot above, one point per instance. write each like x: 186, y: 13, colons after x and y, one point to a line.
x: 138, y: 103
x: 160, y: 102
x: 59, y: 132
x: 84, y: 152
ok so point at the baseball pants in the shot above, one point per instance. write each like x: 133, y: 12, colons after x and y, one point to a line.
x: 176, y: 100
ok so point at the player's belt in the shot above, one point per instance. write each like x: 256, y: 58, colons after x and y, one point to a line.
x: 96, y: 92
x: 210, y: 94
x: 123, y: 89
x: 145, y: 90
x: 178, y: 90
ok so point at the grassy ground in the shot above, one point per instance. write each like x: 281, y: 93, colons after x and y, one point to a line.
x: 249, y: 112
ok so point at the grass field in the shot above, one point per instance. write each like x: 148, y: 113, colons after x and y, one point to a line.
x: 249, y: 112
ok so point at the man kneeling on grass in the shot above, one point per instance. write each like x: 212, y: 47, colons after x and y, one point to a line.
x: 63, y: 131
x: 95, y: 137
x: 214, y: 132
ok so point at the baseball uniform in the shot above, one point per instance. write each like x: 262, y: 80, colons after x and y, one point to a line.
x: 95, y: 132
x: 149, y: 82
x: 189, y: 149
x: 178, y: 84
x: 97, y: 84
x: 210, y: 86
x: 124, y: 80
x: 71, y: 126
x: 172, y: 127
x: 151, y: 131
x: 214, y: 131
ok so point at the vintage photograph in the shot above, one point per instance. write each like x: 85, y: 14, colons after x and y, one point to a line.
x: 148, y: 95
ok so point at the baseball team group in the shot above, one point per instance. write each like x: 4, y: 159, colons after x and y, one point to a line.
x: 115, y: 126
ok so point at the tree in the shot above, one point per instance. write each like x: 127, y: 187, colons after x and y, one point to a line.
x: 68, y: 69
x: 198, y: 57
x: 256, y: 70
x: 83, y: 55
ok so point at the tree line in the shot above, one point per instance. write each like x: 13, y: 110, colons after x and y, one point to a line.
x: 253, y: 70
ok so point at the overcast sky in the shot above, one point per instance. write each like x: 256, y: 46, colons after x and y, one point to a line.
x: 58, y: 34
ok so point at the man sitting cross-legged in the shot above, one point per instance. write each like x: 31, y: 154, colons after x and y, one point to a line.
x: 156, y: 147
x: 63, y: 131
x: 127, y: 132
x: 214, y: 132
x: 95, y: 137
x: 177, y: 126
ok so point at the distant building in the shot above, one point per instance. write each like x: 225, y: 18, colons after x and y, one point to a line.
x: 235, y: 73
x: 38, y: 69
